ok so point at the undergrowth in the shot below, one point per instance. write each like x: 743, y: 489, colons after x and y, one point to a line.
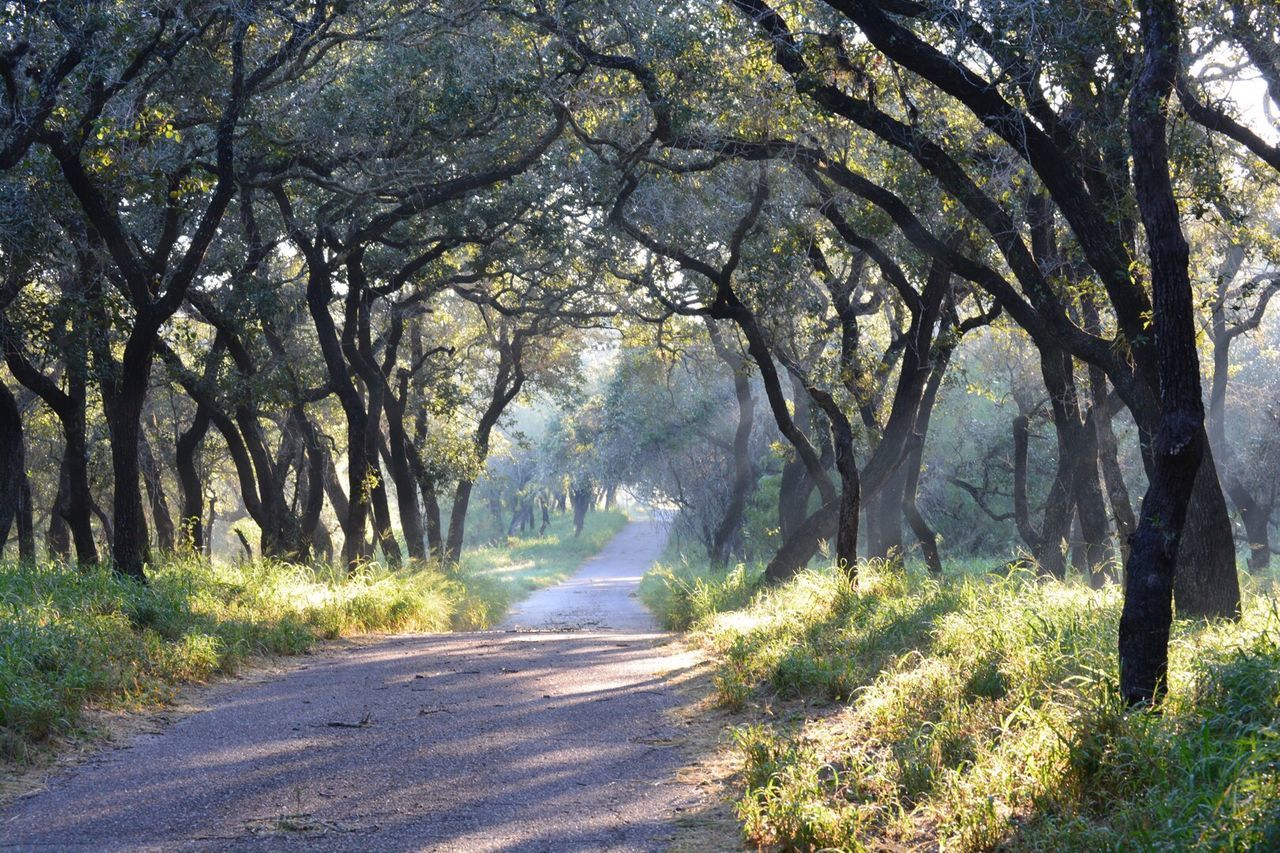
x: 71, y: 639
x: 900, y: 711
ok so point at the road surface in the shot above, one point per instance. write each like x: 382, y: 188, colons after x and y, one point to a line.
x: 552, y: 733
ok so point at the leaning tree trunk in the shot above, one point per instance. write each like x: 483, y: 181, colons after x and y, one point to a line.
x: 729, y: 530
x: 799, y: 548
x: 457, y: 522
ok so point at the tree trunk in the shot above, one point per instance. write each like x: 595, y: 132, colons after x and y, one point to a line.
x: 1021, y: 508
x: 850, y: 487
x: 26, y: 523
x: 57, y: 539
x: 123, y: 398
x: 208, y: 529
x: 435, y: 539
x: 401, y: 470
x: 1179, y: 444
x: 1090, y: 506
x: 582, y: 498
x: 191, y: 523
x: 159, y: 504
x: 1206, y: 584
x: 920, y: 528
x: 15, y: 494
x: 728, y: 533
x: 1112, y: 475
x: 457, y: 521
x: 798, y: 549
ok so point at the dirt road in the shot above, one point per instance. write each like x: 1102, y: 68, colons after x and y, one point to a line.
x: 518, y: 739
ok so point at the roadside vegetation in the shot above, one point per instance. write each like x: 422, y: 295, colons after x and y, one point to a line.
x: 980, y: 711
x: 75, y: 639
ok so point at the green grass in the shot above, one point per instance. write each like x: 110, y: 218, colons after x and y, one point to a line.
x: 520, y: 566
x: 981, y: 712
x: 69, y: 640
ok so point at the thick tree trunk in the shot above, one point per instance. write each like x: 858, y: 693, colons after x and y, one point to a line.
x: 123, y: 399
x: 1179, y: 444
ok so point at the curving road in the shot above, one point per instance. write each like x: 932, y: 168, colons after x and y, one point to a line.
x: 551, y: 733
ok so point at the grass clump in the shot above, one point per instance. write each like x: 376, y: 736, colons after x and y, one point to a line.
x: 682, y: 593
x: 69, y: 639
x: 982, y: 712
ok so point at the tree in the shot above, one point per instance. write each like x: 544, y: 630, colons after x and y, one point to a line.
x: 1179, y: 445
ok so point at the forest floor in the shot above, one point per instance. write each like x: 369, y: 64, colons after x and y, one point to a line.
x: 566, y: 728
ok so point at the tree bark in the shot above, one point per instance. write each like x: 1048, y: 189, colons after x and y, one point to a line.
x: 12, y: 462
x: 159, y: 503
x: 124, y: 395
x: 582, y: 498
x: 1179, y: 444
x: 1090, y: 506
x: 191, y: 522
x: 729, y: 530
x: 1206, y: 584
x: 57, y: 539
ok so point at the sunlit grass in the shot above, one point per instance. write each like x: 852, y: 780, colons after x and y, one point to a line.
x: 982, y: 712
x: 526, y: 564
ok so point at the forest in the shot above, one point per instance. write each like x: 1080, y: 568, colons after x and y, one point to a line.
x: 933, y: 343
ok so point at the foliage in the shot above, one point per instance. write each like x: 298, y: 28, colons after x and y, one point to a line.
x: 982, y: 712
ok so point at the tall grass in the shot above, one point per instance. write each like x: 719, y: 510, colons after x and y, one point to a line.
x: 982, y: 712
